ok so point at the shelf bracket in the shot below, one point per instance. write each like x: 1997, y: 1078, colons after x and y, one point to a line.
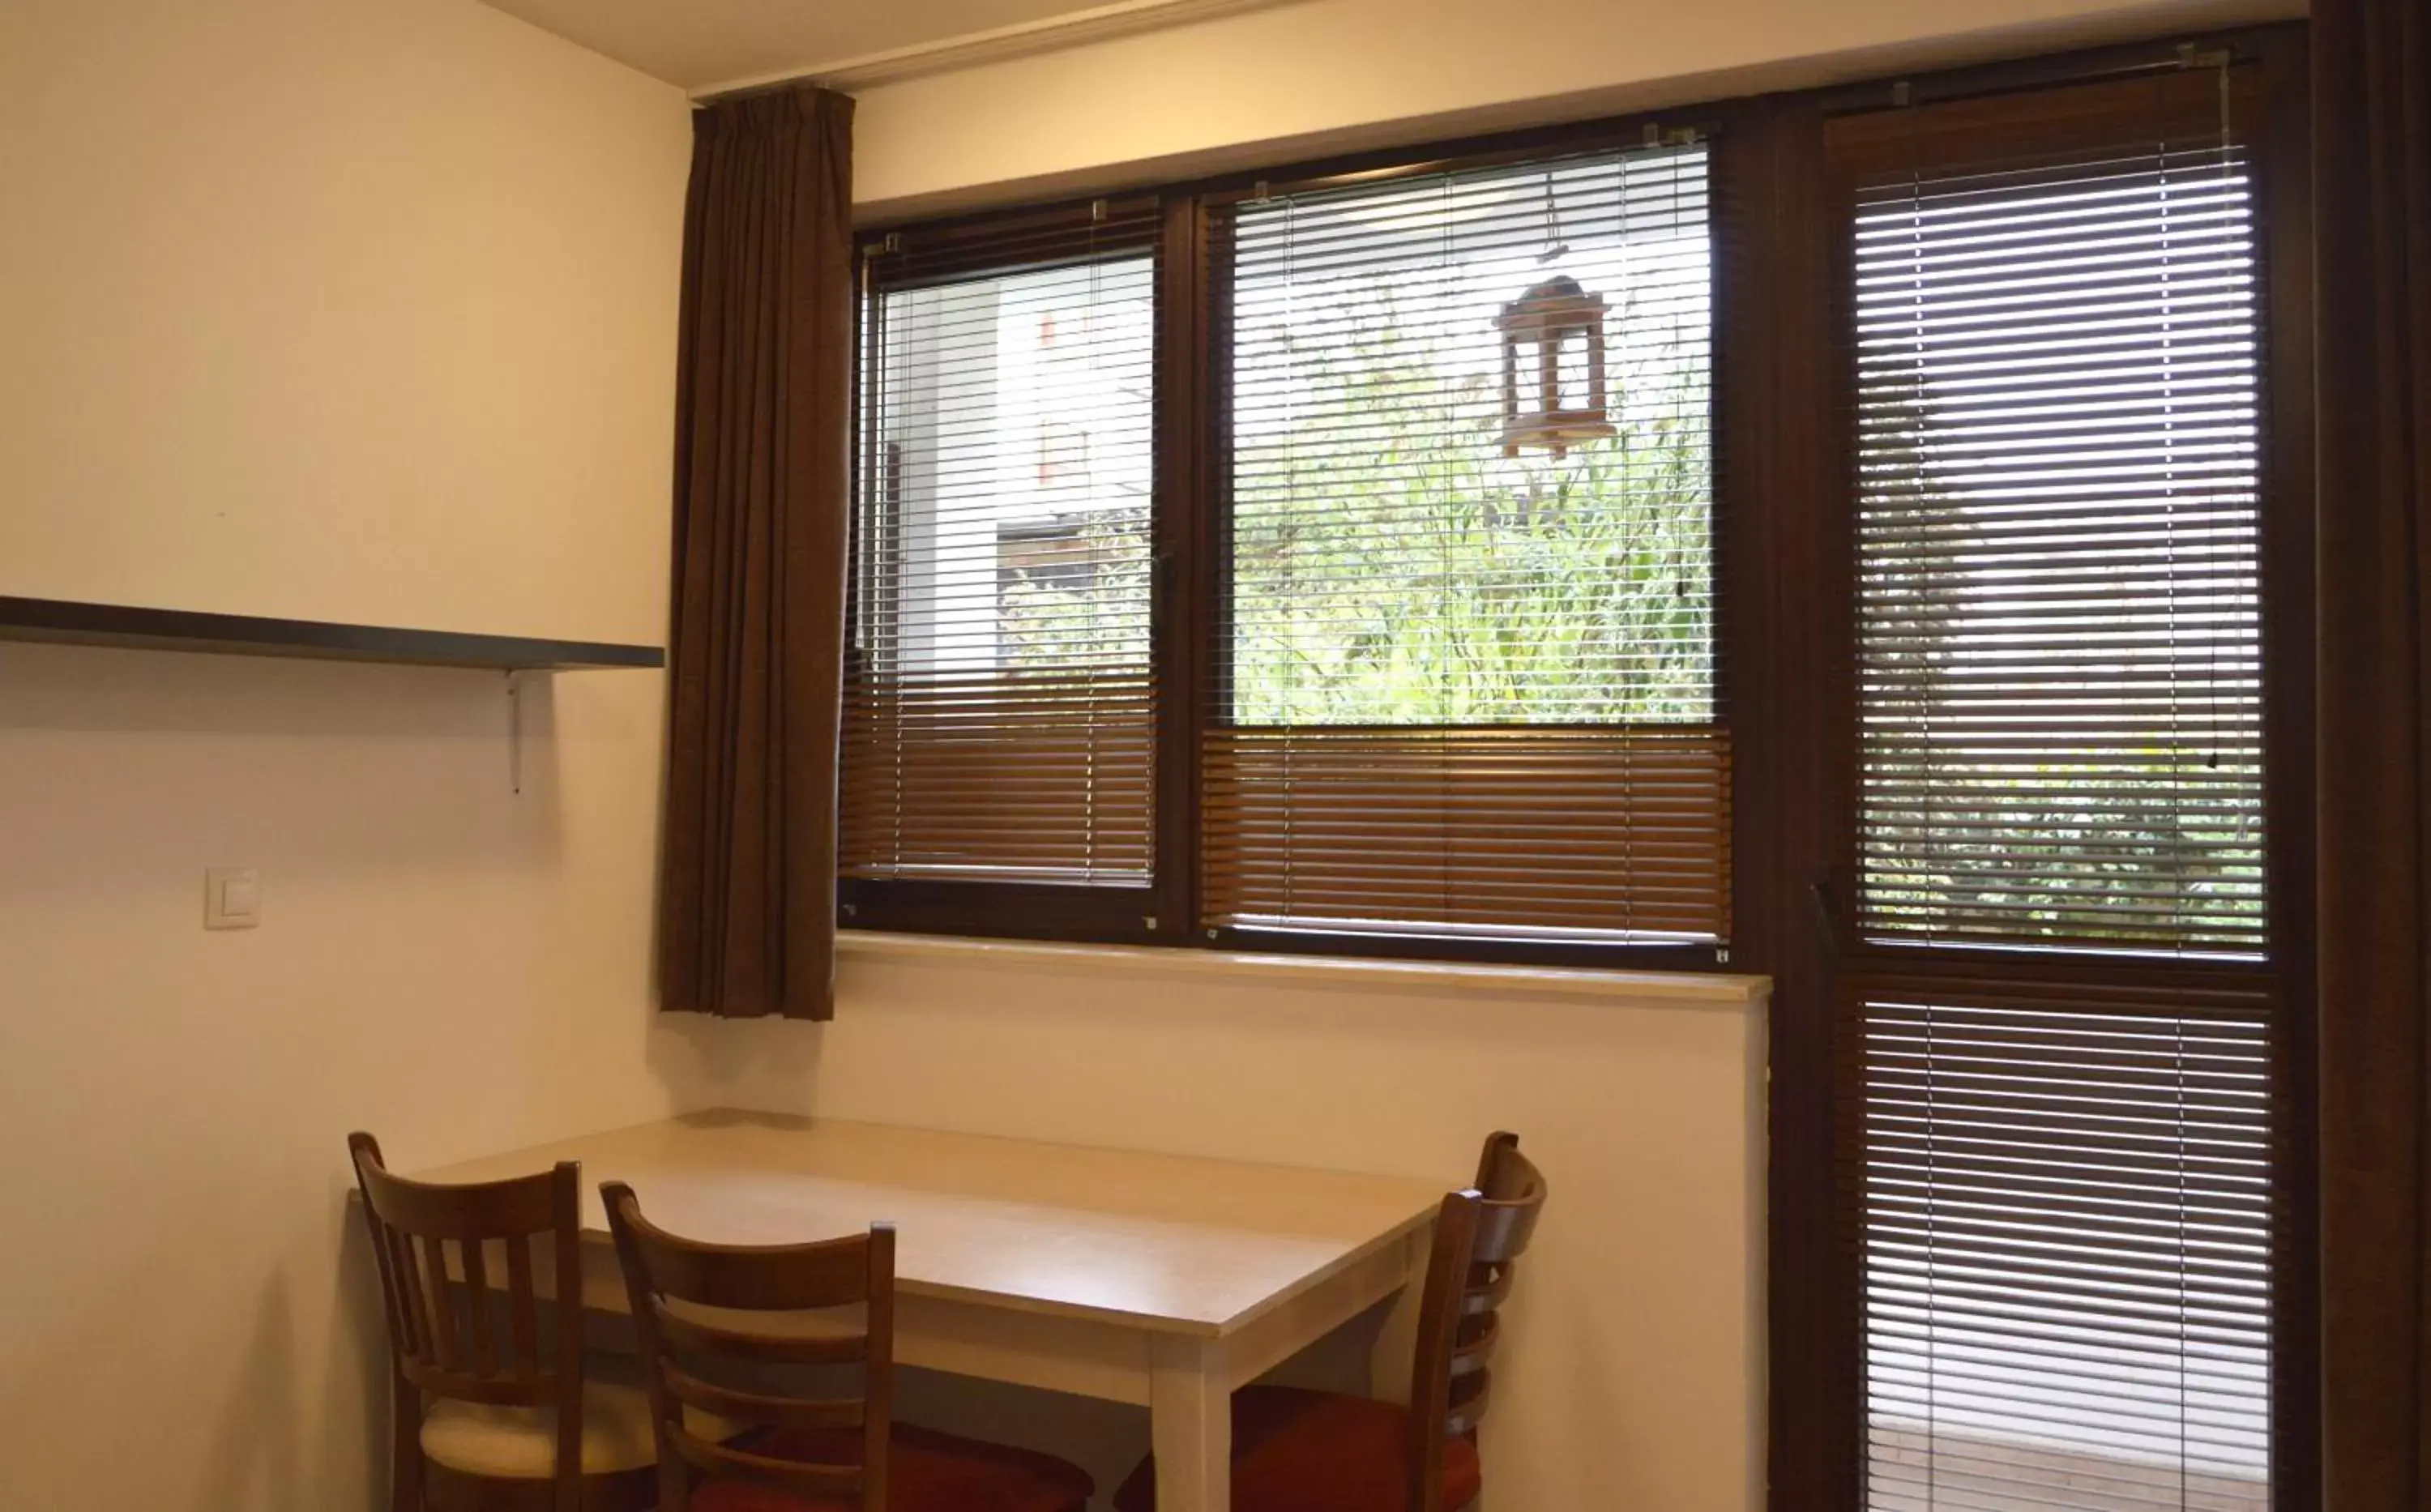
x: 515, y: 730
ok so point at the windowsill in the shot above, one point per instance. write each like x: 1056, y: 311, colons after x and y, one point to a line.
x: 1432, y: 977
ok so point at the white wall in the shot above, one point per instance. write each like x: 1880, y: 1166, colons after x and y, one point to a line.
x: 1632, y: 1376
x: 355, y: 309
x: 1299, y: 79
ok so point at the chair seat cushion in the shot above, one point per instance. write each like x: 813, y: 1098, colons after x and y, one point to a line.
x: 1297, y: 1450
x: 520, y: 1443
x: 926, y: 1472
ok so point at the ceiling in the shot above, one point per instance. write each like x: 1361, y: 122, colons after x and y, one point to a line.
x: 704, y: 45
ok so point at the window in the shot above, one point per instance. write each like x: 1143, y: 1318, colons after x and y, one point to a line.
x: 1417, y: 646
x: 1897, y: 580
x: 2062, y: 1001
x: 999, y: 700
x: 2058, y: 454
x: 1466, y: 679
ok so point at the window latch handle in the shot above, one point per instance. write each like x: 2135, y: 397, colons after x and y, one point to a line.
x: 1827, y: 911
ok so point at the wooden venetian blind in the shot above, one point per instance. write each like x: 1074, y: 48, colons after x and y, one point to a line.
x: 2060, y: 649
x: 1466, y: 688
x: 999, y: 708
x: 2063, y: 1060
x: 2071, y: 1238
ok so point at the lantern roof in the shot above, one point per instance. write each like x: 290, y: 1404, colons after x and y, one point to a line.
x: 1555, y: 308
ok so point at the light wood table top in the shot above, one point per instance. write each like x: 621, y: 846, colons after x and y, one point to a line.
x: 1164, y: 1243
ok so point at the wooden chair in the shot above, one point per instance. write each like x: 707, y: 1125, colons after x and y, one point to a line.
x: 1299, y: 1450
x: 691, y: 1303
x: 489, y: 1418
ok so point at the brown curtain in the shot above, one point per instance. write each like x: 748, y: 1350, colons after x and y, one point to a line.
x: 747, y: 902
x: 2372, y: 105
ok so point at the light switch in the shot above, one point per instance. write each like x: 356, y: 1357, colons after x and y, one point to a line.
x: 231, y: 898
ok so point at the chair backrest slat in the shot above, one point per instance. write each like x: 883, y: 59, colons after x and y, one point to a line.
x: 755, y: 1407
x: 1504, y: 1228
x: 431, y: 1258
x: 443, y: 1335
x: 1470, y: 1395
x: 800, y: 1475
x: 522, y: 1312
x: 1472, y: 1350
x: 1479, y: 1236
x: 691, y: 1304
x: 400, y: 1288
x: 477, y: 1314
x: 834, y: 1273
x: 694, y: 1333
x: 1485, y: 1294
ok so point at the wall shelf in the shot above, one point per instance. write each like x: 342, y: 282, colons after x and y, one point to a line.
x: 63, y: 622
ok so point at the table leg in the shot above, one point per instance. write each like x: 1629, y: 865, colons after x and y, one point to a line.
x: 1190, y: 1425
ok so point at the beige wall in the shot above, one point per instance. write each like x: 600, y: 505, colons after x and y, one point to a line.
x: 1633, y: 1376
x: 357, y: 308
x: 1320, y: 75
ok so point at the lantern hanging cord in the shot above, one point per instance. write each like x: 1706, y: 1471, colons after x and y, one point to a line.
x: 1554, y: 245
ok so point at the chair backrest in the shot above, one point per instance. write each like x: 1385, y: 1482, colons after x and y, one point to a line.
x: 447, y: 1338
x: 1478, y: 1237
x: 691, y: 1302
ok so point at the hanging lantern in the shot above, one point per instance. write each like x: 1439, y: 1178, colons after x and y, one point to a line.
x: 1543, y: 321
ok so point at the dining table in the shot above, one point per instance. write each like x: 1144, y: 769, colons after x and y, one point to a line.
x: 1159, y: 1280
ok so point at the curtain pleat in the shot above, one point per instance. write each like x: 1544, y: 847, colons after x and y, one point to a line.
x: 747, y: 903
x: 2372, y: 104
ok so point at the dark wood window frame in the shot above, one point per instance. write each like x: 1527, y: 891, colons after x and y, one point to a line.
x: 939, y: 253
x: 1784, y: 636
x: 1188, y: 532
x: 1816, y: 1455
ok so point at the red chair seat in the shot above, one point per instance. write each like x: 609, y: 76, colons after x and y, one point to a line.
x: 926, y: 1472
x: 1296, y: 1451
